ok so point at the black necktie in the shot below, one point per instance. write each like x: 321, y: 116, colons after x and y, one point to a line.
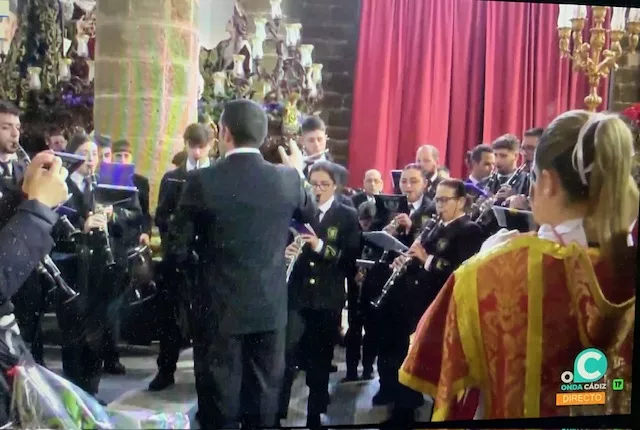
x: 318, y: 216
x: 87, y: 193
x: 6, y: 172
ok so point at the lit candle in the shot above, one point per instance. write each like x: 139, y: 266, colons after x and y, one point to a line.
x: 316, y: 73
x: 34, y: 78
x: 83, y: 45
x: 618, y: 20
x: 634, y: 14
x: 64, y: 73
x: 305, y: 55
x: 580, y: 12
x: 219, y: 83
x: 276, y: 9
x: 257, y: 50
x: 567, y: 11
x: 92, y: 70
x: 291, y: 36
x: 261, y: 31
x: 238, y: 66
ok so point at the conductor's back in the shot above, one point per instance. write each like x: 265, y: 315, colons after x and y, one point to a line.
x: 236, y: 216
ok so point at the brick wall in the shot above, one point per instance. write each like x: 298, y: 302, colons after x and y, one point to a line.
x: 625, y: 85
x: 332, y: 27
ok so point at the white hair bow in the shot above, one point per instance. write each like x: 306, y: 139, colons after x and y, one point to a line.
x: 577, y: 157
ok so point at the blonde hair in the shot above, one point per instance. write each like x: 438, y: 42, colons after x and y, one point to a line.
x: 592, y: 154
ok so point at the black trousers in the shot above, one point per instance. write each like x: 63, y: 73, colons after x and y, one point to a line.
x: 82, y: 322
x: 396, y: 326
x: 235, y: 369
x: 362, y: 317
x: 173, y: 319
x: 30, y: 305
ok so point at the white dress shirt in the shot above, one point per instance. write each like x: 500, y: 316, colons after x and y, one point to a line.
x: 415, y: 205
x: 9, y: 169
x: 192, y: 166
x: 243, y: 150
x: 323, y: 208
x: 570, y: 231
x: 79, y: 180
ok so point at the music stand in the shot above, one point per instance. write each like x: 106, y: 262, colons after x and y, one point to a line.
x: 385, y: 241
x: 71, y: 162
x: 116, y: 174
x: 114, y: 195
x: 514, y: 219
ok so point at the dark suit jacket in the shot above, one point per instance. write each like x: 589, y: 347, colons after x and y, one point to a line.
x: 345, y: 200
x: 432, y: 186
x: 359, y: 199
x: 28, y: 233
x: 171, y: 187
x: 13, y: 184
x: 142, y: 184
x: 426, y: 210
x: 236, y: 216
x: 317, y: 280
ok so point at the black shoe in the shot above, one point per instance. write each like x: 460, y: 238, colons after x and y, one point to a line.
x: 314, y: 421
x: 367, y: 375
x: 115, y: 368
x: 161, y: 381
x: 381, y: 398
x: 334, y: 368
x: 350, y: 378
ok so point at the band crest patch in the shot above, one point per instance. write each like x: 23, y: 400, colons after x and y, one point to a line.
x: 332, y: 234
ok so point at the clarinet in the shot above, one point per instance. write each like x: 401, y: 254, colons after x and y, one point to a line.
x: 46, y: 267
x: 98, y: 209
x: 487, y: 204
x: 388, y: 286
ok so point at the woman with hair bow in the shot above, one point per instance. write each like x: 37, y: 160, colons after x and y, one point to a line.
x: 514, y: 318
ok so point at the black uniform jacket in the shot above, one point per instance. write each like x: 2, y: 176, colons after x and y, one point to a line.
x: 318, y: 279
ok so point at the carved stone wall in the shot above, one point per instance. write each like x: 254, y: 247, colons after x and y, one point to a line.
x: 625, y: 85
x: 146, y: 73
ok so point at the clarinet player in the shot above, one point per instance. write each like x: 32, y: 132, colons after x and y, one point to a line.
x: 316, y: 287
x: 83, y: 265
x: 433, y: 257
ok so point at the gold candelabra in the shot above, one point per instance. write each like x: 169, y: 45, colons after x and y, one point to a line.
x: 592, y: 58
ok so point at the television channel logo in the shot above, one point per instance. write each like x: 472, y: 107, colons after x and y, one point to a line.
x: 581, y: 387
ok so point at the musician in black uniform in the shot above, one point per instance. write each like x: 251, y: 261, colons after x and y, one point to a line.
x: 360, y: 314
x: 428, y: 157
x: 433, y: 257
x: 406, y: 228
x: 528, y: 149
x: 122, y: 154
x: 172, y: 312
x: 481, y: 161
x: 414, y: 182
x: 506, y: 149
x: 316, y: 287
x: 372, y: 185
x: 83, y: 266
x: 105, y: 154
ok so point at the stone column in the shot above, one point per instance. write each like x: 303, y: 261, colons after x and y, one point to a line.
x: 625, y: 85
x: 146, y: 70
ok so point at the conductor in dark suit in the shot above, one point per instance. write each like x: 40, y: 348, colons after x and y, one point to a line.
x: 235, y: 217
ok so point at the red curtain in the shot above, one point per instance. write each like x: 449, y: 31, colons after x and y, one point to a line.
x: 453, y: 74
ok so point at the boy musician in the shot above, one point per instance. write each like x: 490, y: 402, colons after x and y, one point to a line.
x: 197, y: 138
x: 316, y: 286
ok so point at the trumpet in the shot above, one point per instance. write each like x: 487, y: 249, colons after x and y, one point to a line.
x: 313, y: 157
x: 300, y: 244
x: 398, y: 271
x: 46, y: 267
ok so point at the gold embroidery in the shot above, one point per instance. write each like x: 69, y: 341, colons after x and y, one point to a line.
x: 332, y: 234
x: 534, y: 336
